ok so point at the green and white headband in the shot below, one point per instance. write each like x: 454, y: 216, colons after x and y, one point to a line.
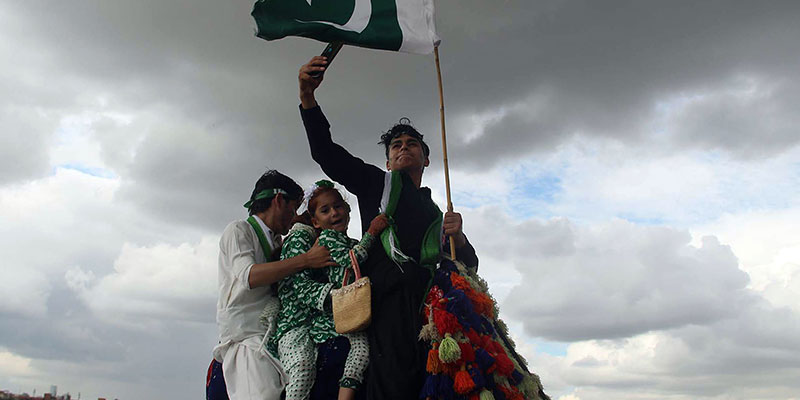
x: 265, y: 194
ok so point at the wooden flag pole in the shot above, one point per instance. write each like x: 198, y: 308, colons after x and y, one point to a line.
x: 444, y: 147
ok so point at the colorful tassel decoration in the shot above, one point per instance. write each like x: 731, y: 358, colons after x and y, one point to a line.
x: 485, y: 360
x: 470, y: 356
x: 486, y: 395
x: 433, y: 365
x: 504, y: 365
x: 516, y: 378
x: 476, y: 376
x: 434, y: 295
x: 463, y: 384
x: 514, y: 394
x: 445, y: 389
x: 449, y: 351
x: 467, y: 352
x: 445, y: 322
x: 473, y: 337
x: 529, y: 386
x: 430, y: 388
x: 428, y: 333
x: 451, y: 369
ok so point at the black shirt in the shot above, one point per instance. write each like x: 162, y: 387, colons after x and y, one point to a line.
x: 397, y: 356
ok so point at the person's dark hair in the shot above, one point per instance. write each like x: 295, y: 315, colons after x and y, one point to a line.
x: 403, y: 127
x: 304, y: 218
x: 273, y: 179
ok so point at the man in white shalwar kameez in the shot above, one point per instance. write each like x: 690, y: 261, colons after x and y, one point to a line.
x: 246, y: 273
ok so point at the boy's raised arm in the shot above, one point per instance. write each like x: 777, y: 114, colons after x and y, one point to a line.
x: 341, y: 166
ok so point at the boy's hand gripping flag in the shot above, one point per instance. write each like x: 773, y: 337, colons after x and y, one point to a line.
x: 398, y: 25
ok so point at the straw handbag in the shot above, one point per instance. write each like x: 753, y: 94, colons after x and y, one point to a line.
x: 352, y: 304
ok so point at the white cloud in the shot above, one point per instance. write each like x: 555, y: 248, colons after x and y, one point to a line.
x: 616, y: 279
x: 25, y: 292
x: 768, y: 244
x: 78, y: 280
x: 682, y: 319
x: 158, y: 283
x: 711, y: 361
x: 15, y: 365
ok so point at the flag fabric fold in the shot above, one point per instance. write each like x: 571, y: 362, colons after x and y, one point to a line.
x: 396, y: 25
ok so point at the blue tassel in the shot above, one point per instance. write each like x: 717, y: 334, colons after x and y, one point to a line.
x: 498, y: 395
x: 447, y: 265
x: 472, y: 320
x: 490, y: 384
x: 430, y: 387
x: 442, y: 279
x: 516, y: 377
x: 486, y: 327
x: 484, y: 359
x: 445, y: 388
x: 477, y: 377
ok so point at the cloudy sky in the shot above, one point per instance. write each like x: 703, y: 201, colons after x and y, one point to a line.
x: 629, y: 173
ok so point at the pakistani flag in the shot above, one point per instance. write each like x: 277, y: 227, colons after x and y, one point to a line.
x: 398, y: 25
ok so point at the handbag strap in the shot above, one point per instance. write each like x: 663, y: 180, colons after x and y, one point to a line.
x: 354, y: 263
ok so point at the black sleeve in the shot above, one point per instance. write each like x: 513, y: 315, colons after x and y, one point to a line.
x: 358, y: 177
x: 466, y: 254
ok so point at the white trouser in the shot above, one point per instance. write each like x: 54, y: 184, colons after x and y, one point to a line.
x: 250, y: 372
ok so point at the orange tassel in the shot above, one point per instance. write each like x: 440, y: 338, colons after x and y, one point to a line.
x: 460, y: 283
x: 463, y: 383
x: 434, y: 366
x: 481, y: 302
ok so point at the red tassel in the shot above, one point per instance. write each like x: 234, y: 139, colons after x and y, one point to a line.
x: 467, y: 352
x: 486, y: 343
x: 445, y: 322
x: 463, y: 384
x: 504, y: 365
x: 473, y: 337
x: 513, y: 393
x: 494, y: 347
x: 434, y: 295
x: 506, y: 391
x: 451, y: 369
x: 434, y: 366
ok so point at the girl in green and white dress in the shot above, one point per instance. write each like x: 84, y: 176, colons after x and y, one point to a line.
x: 305, y: 320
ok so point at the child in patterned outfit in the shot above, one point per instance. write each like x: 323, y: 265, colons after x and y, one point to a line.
x: 305, y: 319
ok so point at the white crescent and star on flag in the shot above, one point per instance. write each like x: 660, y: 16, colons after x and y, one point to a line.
x: 358, y: 20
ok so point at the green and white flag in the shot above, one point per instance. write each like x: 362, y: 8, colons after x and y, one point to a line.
x: 397, y: 25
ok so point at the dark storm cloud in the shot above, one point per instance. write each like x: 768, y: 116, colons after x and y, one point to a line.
x: 204, y: 108
x: 604, y: 68
x: 556, y: 68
